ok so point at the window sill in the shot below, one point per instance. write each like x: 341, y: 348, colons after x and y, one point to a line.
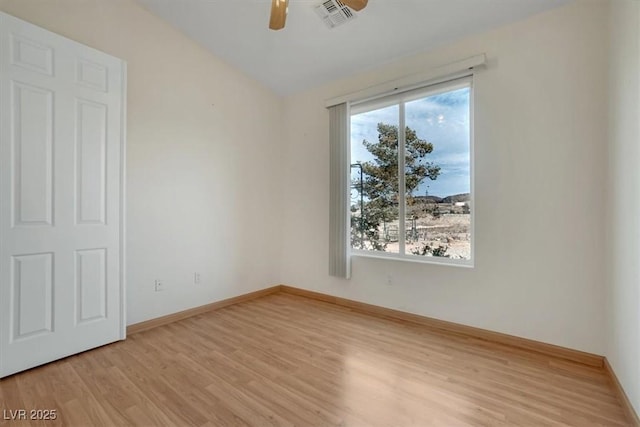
x: 448, y: 262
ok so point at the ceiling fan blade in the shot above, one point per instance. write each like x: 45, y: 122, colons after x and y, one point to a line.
x: 356, y: 5
x: 278, y: 14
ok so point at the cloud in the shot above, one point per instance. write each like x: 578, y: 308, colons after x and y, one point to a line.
x: 441, y: 119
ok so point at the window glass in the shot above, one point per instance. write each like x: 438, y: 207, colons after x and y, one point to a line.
x: 374, y: 180
x: 424, y: 210
x: 438, y: 181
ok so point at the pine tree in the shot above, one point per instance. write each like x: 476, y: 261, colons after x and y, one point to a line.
x: 379, y: 186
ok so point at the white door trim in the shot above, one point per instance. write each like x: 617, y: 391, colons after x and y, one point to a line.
x: 123, y: 205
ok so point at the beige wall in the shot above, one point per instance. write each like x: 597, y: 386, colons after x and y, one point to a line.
x: 201, y: 137
x: 540, y: 141
x: 623, y: 203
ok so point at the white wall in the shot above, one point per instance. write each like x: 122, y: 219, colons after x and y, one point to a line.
x: 540, y: 139
x: 623, y: 219
x: 201, y: 186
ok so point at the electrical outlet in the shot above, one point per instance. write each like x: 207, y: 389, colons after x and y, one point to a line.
x: 196, y: 278
x: 389, y: 280
x: 160, y: 285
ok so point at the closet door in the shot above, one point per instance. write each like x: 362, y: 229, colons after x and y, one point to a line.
x: 61, y: 197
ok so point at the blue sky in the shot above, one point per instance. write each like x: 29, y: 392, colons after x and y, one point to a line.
x: 441, y: 119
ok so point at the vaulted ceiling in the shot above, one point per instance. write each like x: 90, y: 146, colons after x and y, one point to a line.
x: 306, y: 53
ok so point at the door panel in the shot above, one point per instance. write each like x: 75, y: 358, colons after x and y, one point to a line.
x: 61, y: 228
x: 32, y: 164
x: 91, y: 136
x: 31, y: 55
x: 91, y: 281
x: 32, y: 307
x: 92, y: 75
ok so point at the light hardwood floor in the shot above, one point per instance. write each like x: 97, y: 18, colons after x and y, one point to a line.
x: 287, y: 360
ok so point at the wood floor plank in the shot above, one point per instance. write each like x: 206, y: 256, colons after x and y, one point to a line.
x: 287, y: 360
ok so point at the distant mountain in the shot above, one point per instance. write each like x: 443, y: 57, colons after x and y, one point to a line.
x: 432, y: 199
x: 465, y: 197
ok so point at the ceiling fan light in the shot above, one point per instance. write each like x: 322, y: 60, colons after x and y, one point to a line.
x: 279, y: 10
x: 356, y: 5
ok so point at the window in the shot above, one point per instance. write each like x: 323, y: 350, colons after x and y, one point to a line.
x: 411, y: 175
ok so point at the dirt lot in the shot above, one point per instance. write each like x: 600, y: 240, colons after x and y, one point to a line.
x: 452, y: 231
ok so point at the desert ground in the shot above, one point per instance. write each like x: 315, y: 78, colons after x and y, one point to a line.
x: 452, y: 231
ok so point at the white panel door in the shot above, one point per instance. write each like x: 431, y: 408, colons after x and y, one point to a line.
x: 61, y: 197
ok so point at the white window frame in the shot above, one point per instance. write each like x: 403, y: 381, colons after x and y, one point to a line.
x: 339, y: 185
x: 401, y: 98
